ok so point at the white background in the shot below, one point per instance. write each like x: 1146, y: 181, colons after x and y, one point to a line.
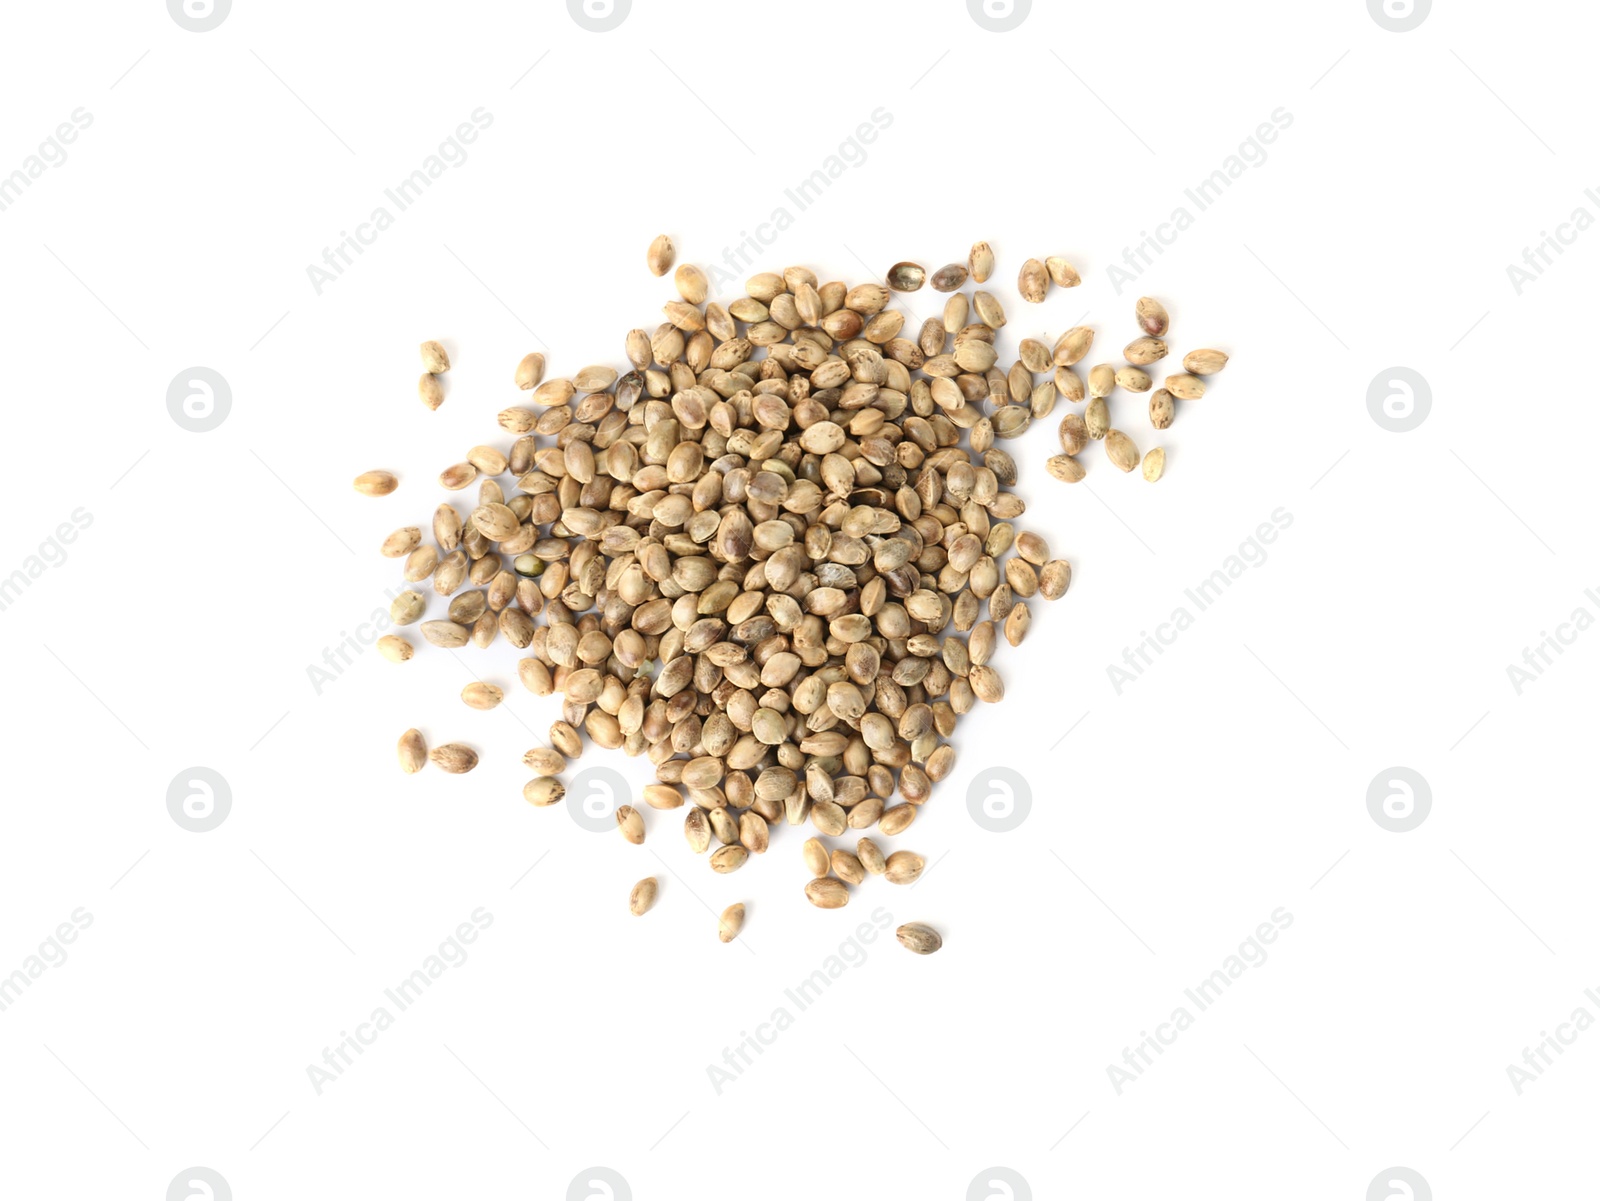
x: 1229, y: 780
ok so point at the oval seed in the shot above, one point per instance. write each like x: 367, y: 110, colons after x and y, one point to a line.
x: 376, y: 483
x: 918, y: 938
x: 630, y: 824
x: 642, y: 896
x: 730, y: 922
x: 413, y: 752
x: 828, y: 894
x: 1155, y: 464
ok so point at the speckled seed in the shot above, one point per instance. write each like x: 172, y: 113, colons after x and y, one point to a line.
x: 1185, y: 387
x: 376, y: 483
x: 828, y: 894
x: 981, y: 262
x: 697, y: 830
x: 530, y: 372
x: 728, y: 859
x: 904, y: 867
x: 731, y: 922
x: 1033, y: 281
x: 402, y: 542
x: 1062, y: 273
x: 1204, y: 362
x: 543, y: 791
x: 1161, y: 408
x: 1097, y: 418
x: 630, y: 824
x: 479, y: 695
x: 1074, y: 433
x: 815, y: 854
x: 918, y: 938
x: 454, y: 758
x: 545, y: 761
x: 642, y: 896
x: 413, y: 751
x: 434, y: 358
x: 1150, y: 314
x: 659, y: 257
x: 1054, y: 579
x: 1132, y: 379
x: 1141, y: 352
x: 948, y: 278
x: 395, y: 648
x: 1155, y: 464
x: 987, y: 685
x: 847, y: 867
x: 871, y: 857
x: 906, y: 277
x: 1121, y: 450
x: 988, y: 309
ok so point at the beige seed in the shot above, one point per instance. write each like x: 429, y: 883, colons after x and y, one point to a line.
x: 413, y: 751
x: 697, y: 830
x: 1097, y: 418
x: 988, y: 310
x: 434, y: 359
x: 457, y: 476
x: 1121, y: 450
x: 871, y: 857
x: 662, y: 796
x: 376, y: 483
x: 828, y: 894
x: 395, y: 648
x: 847, y: 867
x: 631, y: 824
x: 1141, y: 352
x: 1073, y: 345
x: 430, y: 391
x: 730, y: 922
x: 949, y: 277
x: 479, y: 695
x: 1054, y: 579
x: 1132, y: 379
x: 1074, y: 433
x: 896, y: 820
x: 402, y: 542
x: 904, y: 867
x: 1102, y: 379
x: 407, y: 608
x: 643, y: 896
x: 448, y: 634
x: 980, y: 262
x: 815, y: 854
x: 987, y: 685
x: 1155, y: 464
x: 918, y: 938
x: 692, y: 283
x: 1033, y: 281
x: 544, y: 761
x: 544, y: 791
x: 1062, y: 273
x: 1152, y: 317
x: 729, y: 859
x: 530, y: 372
x: 1185, y: 387
x: 1161, y: 408
x: 659, y: 257
x: 1204, y: 362
x: 454, y: 758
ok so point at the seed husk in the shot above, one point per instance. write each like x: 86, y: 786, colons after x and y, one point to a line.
x: 904, y: 867
x: 729, y: 859
x: 692, y: 283
x: 1073, y: 433
x: 1151, y: 316
x: 1102, y: 379
x: 919, y: 938
x: 376, y: 483
x: 1155, y: 464
x: 544, y: 761
x: 479, y: 695
x: 949, y: 277
x: 815, y: 854
x: 906, y: 277
x: 1121, y: 450
x: 1054, y: 579
x: 730, y: 922
x: 530, y: 372
x: 1062, y: 273
x: 413, y: 751
x: 642, y: 896
x: 1132, y: 379
x: 1161, y: 408
x: 543, y: 790
x: 871, y: 857
x: 828, y: 893
x: 1141, y: 352
x: 1185, y: 387
x: 434, y: 359
x: 659, y: 257
x: 697, y: 830
x: 980, y: 262
x: 630, y: 824
x: 1033, y: 281
x: 847, y: 867
x: 454, y: 758
x: 1204, y: 362
x: 1097, y: 418
x: 402, y: 542
x: 1073, y: 345
x: 395, y: 648
x: 430, y: 391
